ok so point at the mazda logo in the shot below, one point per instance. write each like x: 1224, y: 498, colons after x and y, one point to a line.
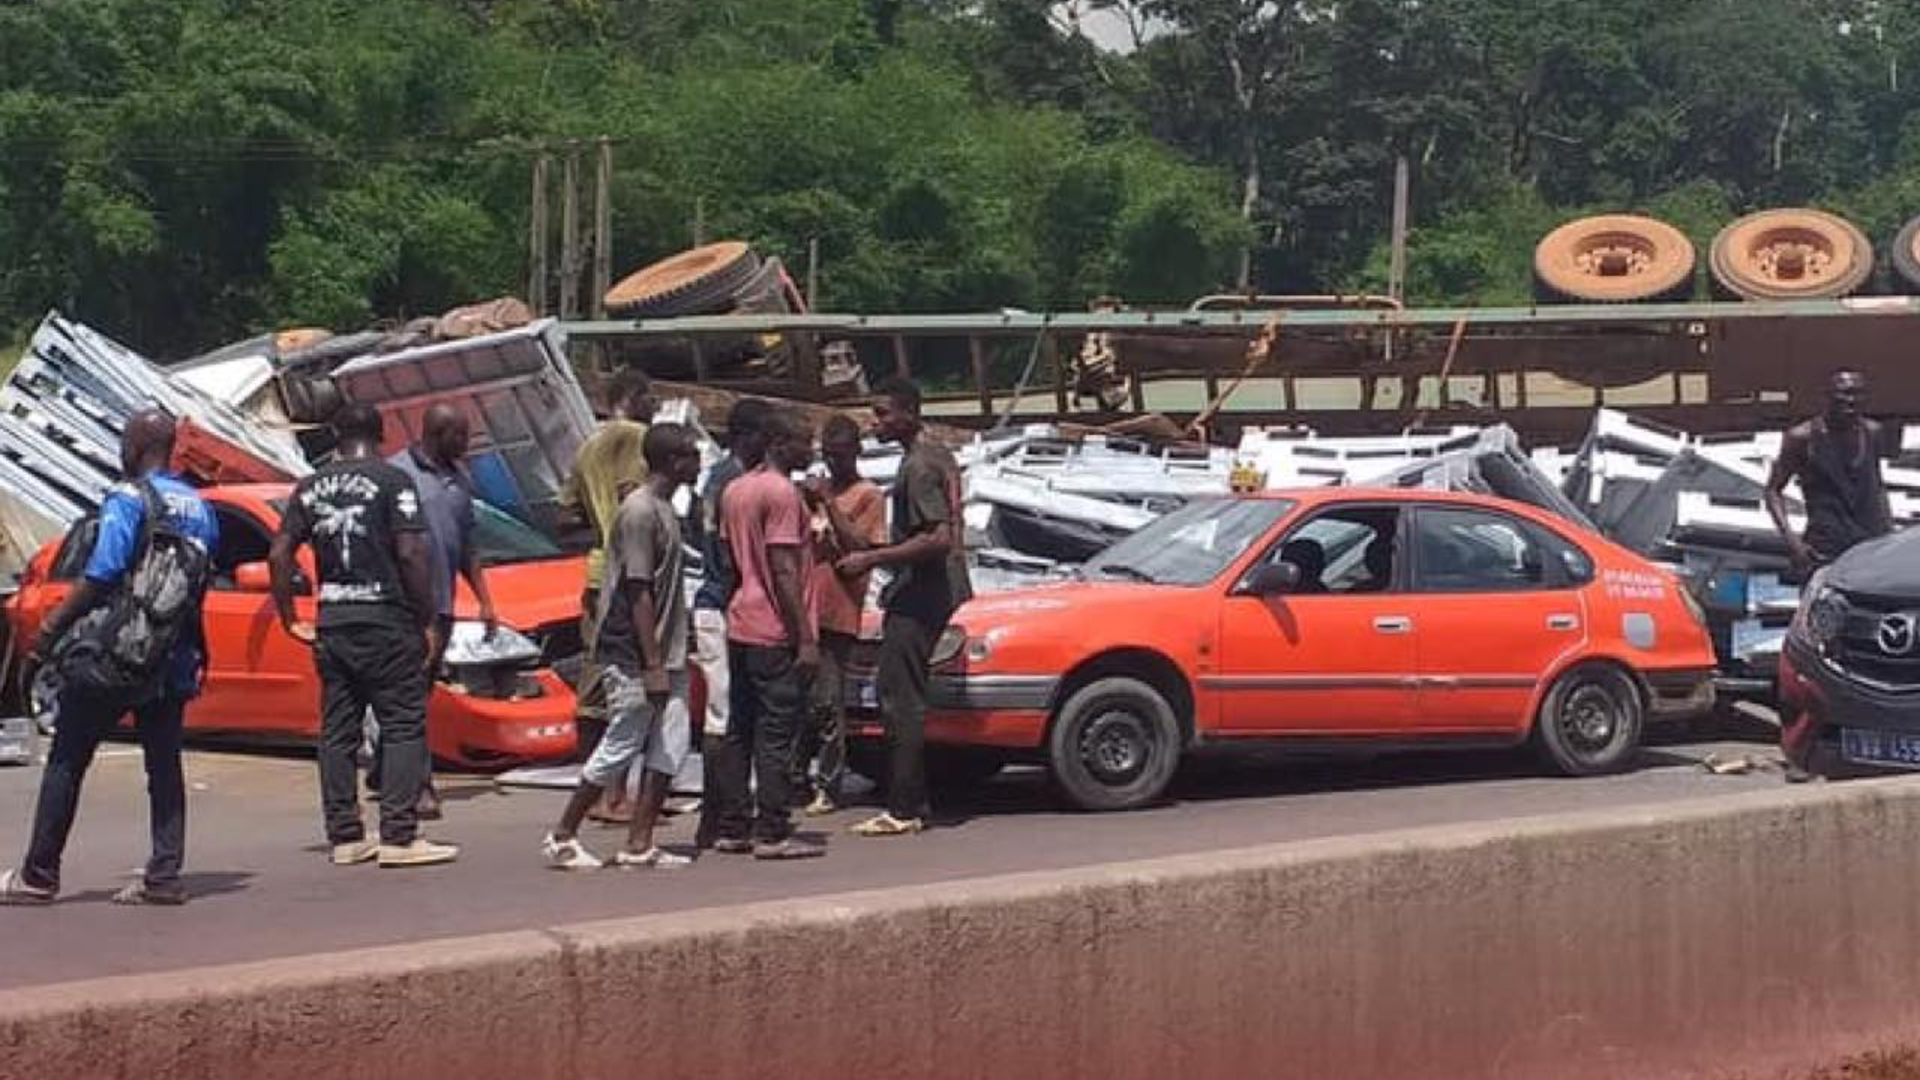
x: 1897, y: 633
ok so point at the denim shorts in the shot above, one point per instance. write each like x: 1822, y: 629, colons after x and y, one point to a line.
x: 636, y: 731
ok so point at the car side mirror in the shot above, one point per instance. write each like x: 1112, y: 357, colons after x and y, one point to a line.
x: 1273, y: 579
x: 253, y: 577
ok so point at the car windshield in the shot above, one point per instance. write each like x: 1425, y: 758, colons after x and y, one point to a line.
x: 1192, y: 545
x: 499, y: 538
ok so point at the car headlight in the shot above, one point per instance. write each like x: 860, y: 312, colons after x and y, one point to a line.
x: 952, y: 640
x: 1823, y: 615
x: 468, y: 646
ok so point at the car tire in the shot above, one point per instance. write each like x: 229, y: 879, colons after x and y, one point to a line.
x: 1613, y: 259
x: 1114, y: 745
x: 1833, y: 258
x: 1591, y: 721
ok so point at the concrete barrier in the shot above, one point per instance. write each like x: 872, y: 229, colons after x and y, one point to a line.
x: 1740, y: 935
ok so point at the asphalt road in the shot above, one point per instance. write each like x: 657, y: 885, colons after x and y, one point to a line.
x: 262, y: 886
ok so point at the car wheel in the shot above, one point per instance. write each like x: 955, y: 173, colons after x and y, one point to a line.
x: 1591, y: 721
x: 957, y: 768
x: 43, y: 692
x: 1114, y: 746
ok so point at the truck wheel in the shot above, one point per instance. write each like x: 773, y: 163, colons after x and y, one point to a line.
x: 1613, y: 259
x: 1590, y: 722
x: 694, y: 282
x: 1795, y: 254
x: 1905, y: 257
x: 1114, y: 746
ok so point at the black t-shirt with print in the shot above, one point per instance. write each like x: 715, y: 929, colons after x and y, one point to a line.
x: 351, y: 512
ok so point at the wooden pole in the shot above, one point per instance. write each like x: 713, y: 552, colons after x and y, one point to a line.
x: 699, y: 220
x: 1397, y: 273
x: 901, y: 366
x: 1061, y: 402
x: 813, y: 273
x: 570, y: 235
x: 538, y: 243
x: 602, y: 228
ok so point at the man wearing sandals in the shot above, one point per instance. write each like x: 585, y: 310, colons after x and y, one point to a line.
x: 145, y: 450
x: 642, y: 645
x: 928, y: 560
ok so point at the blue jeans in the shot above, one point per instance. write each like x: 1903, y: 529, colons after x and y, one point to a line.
x: 81, y: 722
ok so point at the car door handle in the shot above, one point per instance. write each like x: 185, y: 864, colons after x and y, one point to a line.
x: 1393, y: 624
x: 1563, y: 622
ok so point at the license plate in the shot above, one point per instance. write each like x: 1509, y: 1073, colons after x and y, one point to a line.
x: 863, y: 694
x: 1891, y: 748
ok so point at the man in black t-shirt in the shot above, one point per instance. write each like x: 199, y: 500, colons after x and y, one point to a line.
x: 362, y: 518
x: 1836, y: 458
x: 929, y: 562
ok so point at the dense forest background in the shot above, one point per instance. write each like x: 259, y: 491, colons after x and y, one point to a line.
x: 184, y: 172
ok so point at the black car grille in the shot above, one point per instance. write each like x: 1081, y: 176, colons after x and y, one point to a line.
x: 1875, y: 652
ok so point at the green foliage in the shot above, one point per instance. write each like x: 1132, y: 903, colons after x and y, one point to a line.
x: 188, y: 171
x: 184, y: 172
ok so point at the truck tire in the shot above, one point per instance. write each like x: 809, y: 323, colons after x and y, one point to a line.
x: 694, y: 282
x: 1794, y: 254
x: 1114, y: 745
x: 1905, y: 258
x: 1614, y: 259
x: 1590, y: 722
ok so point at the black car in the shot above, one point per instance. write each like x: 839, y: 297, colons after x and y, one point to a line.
x: 1850, y: 671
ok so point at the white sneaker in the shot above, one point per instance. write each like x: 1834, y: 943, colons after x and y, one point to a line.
x: 654, y: 858
x: 569, y: 855
x: 422, y: 852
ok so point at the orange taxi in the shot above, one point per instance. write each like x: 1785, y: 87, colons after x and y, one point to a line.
x: 1340, y: 618
x: 496, y: 702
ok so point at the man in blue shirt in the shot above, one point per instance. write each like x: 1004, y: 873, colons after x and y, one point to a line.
x: 446, y: 502
x: 83, y: 720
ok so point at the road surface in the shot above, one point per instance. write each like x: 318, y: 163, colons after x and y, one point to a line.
x: 262, y: 885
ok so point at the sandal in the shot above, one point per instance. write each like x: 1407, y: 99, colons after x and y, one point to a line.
x: 16, y: 891
x: 885, y: 824
x: 140, y: 894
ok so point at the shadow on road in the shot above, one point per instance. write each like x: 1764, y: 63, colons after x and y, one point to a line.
x: 200, y: 885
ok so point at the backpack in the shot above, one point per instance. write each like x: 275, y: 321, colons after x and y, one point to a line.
x: 121, y: 648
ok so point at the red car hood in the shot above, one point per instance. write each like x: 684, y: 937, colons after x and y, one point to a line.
x: 531, y: 594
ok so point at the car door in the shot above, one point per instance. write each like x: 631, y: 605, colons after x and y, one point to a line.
x: 1499, y: 606
x: 1335, y: 656
x: 258, y: 678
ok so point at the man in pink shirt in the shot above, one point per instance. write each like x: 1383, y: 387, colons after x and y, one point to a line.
x: 772, y: 646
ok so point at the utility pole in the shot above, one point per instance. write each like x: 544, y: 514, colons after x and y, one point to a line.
x: 537, y: 240
x: 602, y: 228
x: 570, y: 235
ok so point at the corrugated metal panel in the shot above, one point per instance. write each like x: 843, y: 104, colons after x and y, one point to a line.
x: 528, y: 413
